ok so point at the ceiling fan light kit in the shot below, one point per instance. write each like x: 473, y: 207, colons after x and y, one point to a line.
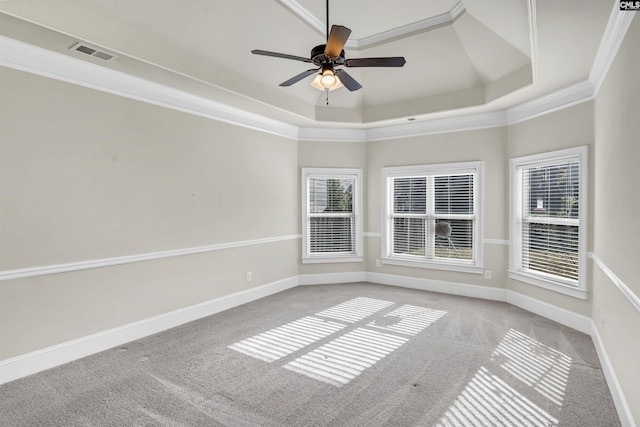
x: 326, y: 80
x: 327, y: 57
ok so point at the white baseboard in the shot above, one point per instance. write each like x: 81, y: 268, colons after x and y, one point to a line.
x: 555, y: 313
x: 332, y: 278
x: 620, y: 402
x: 31, y: 363
x: 560, y: 315
x: 565, y: 317
x: 453, y: 288
x: 50, y: 357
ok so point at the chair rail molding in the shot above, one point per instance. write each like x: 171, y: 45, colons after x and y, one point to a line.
x: 127, y: 259
x: 626, y: 291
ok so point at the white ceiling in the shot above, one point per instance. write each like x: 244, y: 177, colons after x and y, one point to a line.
x: 469, y: 55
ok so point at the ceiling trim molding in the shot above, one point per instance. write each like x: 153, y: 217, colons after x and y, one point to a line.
x: 533, y: 38
x: 431, y: 127
x: 305, y: 15
x: 36, y: 60
x: 405, y: 30
x: 615, y: 31
x: 563, y: 98
x: 332, y: 135
x: 382, y: 37
x: 617, y: 26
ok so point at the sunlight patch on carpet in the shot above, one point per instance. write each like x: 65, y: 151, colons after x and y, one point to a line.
x: 344, y: 358
x: 286, y: 339
x: 535, y: 364
x: 488, y: 401
x: 407, y: 319
x: 355, y: 309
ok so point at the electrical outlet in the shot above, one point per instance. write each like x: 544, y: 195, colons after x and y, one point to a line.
x: 249, y: 277
x: 378, y: 263
x: 487, y: 274
x: 602, y: 319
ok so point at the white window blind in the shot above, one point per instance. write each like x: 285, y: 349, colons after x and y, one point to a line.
x: 550, y: 219
x: 432, y: 214
x: 331, y: 216
x: 332, y: 230
x: 454, y: 214
x: 547, y: 218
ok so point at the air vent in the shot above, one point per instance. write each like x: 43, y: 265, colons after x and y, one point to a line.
x: 88, y: 50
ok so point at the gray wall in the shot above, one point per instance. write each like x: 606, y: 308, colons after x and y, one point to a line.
x: 87, y: 175
x: 487, y: 145
x: 324, y: 154
x: 571, y: 127
x: 616, y: 225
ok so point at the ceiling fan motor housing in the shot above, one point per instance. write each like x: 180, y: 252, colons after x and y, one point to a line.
x: 330, y: 55
x: 318, y: 57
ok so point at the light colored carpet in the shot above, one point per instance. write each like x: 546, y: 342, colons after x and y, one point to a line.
x: 336, y: 355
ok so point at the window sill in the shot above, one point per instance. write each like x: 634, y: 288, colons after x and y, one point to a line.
x: 332, y: 259
x: 461, y: 268
x: 545, y: 283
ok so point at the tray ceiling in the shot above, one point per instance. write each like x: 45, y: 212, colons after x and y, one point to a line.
x: 470, y: 55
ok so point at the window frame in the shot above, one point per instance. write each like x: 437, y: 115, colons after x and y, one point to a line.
x: 578, y: 288
x: 331, y: 257
x: 475, y: 168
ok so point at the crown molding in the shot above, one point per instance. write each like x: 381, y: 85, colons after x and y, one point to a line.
x: 533, y: 37
x: 385, y: 36
x: 302, y: 13
x: 405, y: 30
x: 584, y: 91
x: 36, y: 60
x: 430, y: 127
x: 619, y: 22
x: 563, y: 98
x: 332, y: 134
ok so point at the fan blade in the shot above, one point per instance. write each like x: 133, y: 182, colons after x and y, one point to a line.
x: 394, y: 61
x: 348, y: 81
x: 299, y: 77
x: 279, y: 55
x: 337, y: 38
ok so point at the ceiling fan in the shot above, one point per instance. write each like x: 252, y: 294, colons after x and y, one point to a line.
x: 327, y: 57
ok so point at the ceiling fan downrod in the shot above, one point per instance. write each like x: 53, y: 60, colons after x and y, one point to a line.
x: 328, y: 57
x: 327, y: 20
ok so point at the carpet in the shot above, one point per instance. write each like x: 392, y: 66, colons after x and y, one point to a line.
x: 333, y: 355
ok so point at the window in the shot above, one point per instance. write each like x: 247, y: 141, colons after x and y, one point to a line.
x: 332, y: 215
x: 432, y: 216
x: 548, y: 220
